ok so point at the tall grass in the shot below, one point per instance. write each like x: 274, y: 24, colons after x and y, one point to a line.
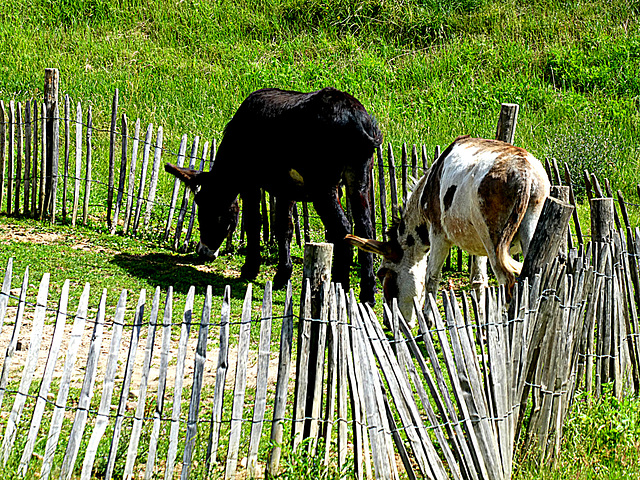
x: 601, y: 440
x: 428, y: 70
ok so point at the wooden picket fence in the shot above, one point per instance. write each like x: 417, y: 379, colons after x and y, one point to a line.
x: 449, y: 403
x: 48, y: 170
x: 22, y: 436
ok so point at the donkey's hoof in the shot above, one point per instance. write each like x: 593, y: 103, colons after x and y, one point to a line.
x: 249, y: 271
x: 281, y: 279
x: 368, y: 298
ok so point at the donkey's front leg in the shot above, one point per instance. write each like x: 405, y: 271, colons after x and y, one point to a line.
x: 438, y: 253
x: 251, y: 214
x: 284, y: 232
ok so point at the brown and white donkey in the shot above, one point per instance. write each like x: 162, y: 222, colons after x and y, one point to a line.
x: 481, y: 195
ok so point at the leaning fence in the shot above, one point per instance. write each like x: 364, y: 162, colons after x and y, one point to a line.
x: 449, y: 403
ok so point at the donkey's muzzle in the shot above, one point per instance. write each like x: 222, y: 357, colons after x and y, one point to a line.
x: 205, y: 252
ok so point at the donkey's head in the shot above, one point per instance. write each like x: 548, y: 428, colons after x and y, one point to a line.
x: 218, y: 209
x: 404, y: 259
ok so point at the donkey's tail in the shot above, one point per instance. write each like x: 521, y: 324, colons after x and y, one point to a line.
x: 513, y: 267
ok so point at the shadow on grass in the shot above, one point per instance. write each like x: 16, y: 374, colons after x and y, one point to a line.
x: 178, y: 271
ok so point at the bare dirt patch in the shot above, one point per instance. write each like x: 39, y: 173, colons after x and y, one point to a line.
x: 27, y: 235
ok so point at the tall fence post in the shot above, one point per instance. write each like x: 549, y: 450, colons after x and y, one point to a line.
x: 548, y: 237
x: 51, y: 91
x: 316, y: 274
x: 507, y: 121
x: 602, y: 222
x: 606, y: 321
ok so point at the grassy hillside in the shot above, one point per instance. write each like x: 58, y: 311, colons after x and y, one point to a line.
x: 429, y: 70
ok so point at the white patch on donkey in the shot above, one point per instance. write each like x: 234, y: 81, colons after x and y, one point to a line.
x: 481, y: 195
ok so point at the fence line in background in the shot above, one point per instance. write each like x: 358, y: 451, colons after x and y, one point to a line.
x: 26, y: 176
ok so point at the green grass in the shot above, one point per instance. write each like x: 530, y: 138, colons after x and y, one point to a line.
x: 601, y: 440
x: 429, y: 71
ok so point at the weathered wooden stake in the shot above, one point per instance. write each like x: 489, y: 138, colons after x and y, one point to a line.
x: 87, y: 173
x: 556, y: 172
x: 372, y: 203
x: 549, y: 235
x: 272, y: 217
x: 392, y: 183
x: 616, y: 217
x: 383, y: 193
x: 67, y: 137
x: 43, y: 162
x: 317, y: 269
x: 305, y: 219
x: 153, y: 182
x: 405, y: 175
x: 296, y: 226
x: 34, y: 171
x: 572, y: 201
x: 284, y: 369
x: 597, y: 189
x: 78, y: 169
x: 123, y: 174
x: 3, y: 138
x: 143, y: 177
x: 27, y: 157
x: 602, y: 222
x: 318, y: 258
x: 562, y: 193
x: 18, y: 170
x: 507, y: 122
x: 112, y: 152
x: 51, y: 89
x: 55, y: 153
x: 132, y: 176
x: 265, y: 216
x: 10, y: 168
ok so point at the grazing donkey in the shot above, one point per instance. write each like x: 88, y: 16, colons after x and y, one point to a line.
x: 480, y: 195
x: 297, y: 146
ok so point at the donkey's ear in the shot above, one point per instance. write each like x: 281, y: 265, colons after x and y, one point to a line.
x: 192, y: 178
x: 384, y: 249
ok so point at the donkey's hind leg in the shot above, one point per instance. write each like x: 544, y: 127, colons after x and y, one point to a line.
x: 336, y: 227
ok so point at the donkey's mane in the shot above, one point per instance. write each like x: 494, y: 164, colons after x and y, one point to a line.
x: 396, y: 220
x: 392, y: 231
